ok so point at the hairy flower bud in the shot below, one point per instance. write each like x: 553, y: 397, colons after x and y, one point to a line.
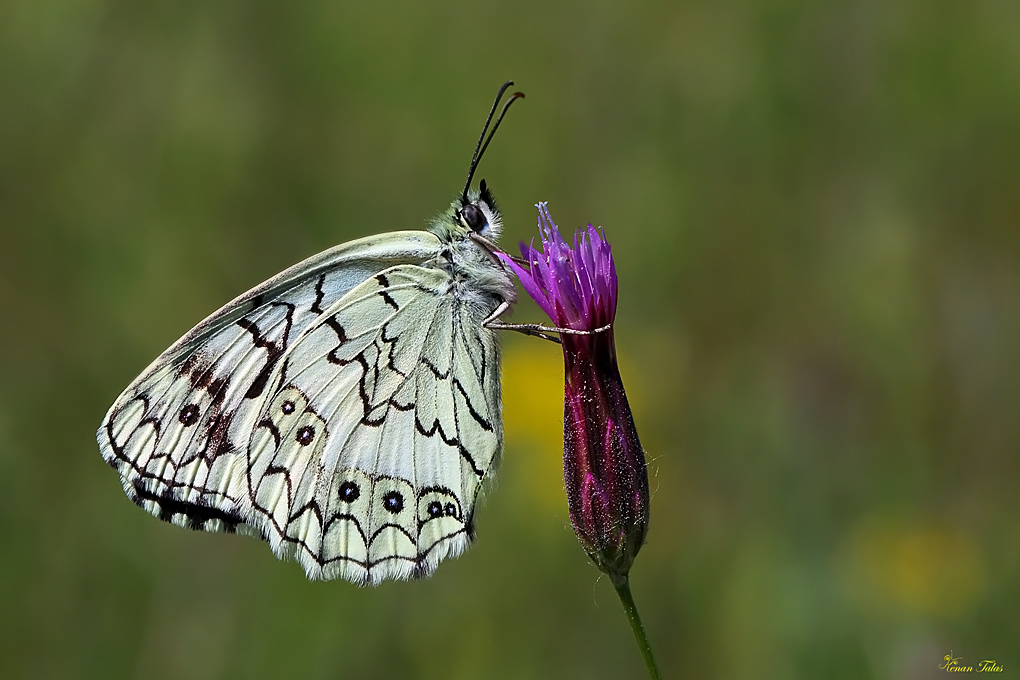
x: 603, y: 463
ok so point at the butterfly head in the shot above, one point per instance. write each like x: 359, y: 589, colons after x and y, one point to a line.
x: 479, y: 213
x: 474, y: 213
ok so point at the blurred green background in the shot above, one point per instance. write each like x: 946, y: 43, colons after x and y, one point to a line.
x: 815, y: 212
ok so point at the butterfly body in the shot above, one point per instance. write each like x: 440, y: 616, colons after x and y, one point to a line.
x: 347, y: 410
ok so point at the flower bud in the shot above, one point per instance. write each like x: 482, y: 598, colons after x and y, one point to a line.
x: 604, y: 467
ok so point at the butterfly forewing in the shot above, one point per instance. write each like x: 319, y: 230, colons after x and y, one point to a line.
x: 176, y: 433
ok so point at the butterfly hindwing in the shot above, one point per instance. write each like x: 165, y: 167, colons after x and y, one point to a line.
x: 368, y: 456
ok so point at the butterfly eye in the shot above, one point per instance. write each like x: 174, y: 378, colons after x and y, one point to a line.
x: 473, y: 216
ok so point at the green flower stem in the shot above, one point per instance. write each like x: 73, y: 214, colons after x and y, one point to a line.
x: 622, y: 586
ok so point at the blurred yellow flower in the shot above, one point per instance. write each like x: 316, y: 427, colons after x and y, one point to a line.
x: 915, y: 570
x: 533, y: 415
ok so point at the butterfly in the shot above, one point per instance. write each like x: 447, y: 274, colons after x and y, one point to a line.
x: 347, y: 410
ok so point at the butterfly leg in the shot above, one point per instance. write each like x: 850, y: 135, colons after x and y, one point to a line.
x: 534, y: 329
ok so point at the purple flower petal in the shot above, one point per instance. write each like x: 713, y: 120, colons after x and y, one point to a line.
x: 574, y: 285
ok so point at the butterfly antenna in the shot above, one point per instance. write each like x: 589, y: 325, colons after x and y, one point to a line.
x: 506, y: 107
x: 480, y: 147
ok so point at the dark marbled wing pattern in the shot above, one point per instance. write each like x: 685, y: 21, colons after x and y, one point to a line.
x: 178, y: 433
x: 367, y: 461
x: 347, y: 411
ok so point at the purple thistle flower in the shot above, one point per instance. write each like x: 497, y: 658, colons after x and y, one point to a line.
x: 603, y: 464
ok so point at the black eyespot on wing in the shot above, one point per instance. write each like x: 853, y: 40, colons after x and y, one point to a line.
x: 393, y: 502
x: 451, y: 509
x: 287, y: 407
x: 349, y: 492
x: 435, y: 509
x: 189, y: 415
x: 305, y: 435
x: 473, y: 217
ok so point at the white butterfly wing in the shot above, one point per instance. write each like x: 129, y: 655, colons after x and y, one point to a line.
x: 346, y: 410
x: 178, y: 434
x: 368, y: 456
